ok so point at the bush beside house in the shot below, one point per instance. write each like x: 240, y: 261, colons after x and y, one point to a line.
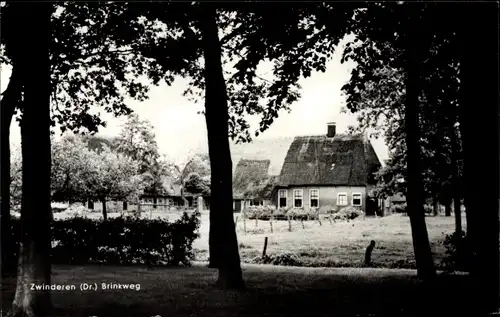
x: 122, y: 240
x: 304, y: 213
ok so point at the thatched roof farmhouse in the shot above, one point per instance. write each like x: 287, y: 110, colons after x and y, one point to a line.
x: 332, y: 169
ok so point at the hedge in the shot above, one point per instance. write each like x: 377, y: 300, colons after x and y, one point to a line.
x: 304, y: 213
x: 121, y: 240
x: 401, y: 208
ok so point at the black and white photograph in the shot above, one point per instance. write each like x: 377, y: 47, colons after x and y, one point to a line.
x: 245, y: 158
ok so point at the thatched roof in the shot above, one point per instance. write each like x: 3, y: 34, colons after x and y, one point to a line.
x: 273, y: 149
x: 248, y: 172
x: 344, y: 160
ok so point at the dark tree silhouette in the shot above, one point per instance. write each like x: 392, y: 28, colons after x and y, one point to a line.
x: 479, y: 72
x: 34, y: 258
x: 217, y: 115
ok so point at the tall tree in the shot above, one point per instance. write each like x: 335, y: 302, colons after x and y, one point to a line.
x: 400, y: 47
x: 478, y: 72
x: 11, y: 99
x: 414, y: 46
x: 217, y: 115
x: 34, y: 257
x: 252, y: 34
x: 137, y: 140
x: 88, y: 68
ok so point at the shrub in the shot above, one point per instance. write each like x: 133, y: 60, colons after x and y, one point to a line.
x: 265, y: 213
x: 283, y: 259
x: 303, y: 213
x: 399, y: 208
x: 458, y: 252
x: 258, y: 212
x: 328, y: 209
x: 121, y: 240
x: 348, y: 213
x: 286, y: 259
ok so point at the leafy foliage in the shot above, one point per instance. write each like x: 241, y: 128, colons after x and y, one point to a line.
x: 376, y: 93
x: 348, y: 213
x: 71, y: 165
x: 122, y: 240
x: 137, y: 141
x: 113, y: 174
x: 282, y: 259
x: 268, y: 212
x: 195, y: 184
x: 294, y: 46
x: 458, y: 251
x: 89, y: 66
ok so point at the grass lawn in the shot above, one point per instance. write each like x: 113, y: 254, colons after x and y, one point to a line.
x: 338, y: 244
x: 272, y: 291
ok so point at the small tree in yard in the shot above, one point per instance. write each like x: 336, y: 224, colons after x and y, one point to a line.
x: 195, y: 184
x: 112, y: 175
x: 69, y: 168
x: 198, y: 164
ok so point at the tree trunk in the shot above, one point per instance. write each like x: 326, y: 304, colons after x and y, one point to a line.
x: 478, y: 73
x: 11, y: 98
x: 104, y: 209
x: 435, y: 206
x: 34, y: 257
x: 455, y: 179
x: 447, y: 209
x: 415, y: 201
x: 224, y: 252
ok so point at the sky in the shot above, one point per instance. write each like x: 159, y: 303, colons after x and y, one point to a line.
x: 181, y: 131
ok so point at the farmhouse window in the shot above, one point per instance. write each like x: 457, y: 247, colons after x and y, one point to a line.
x: 297, y: 198
x: 125, y: 205
x: 342, y: 199
x: 356, y: 199
x: 282, y: 198
x: 256, y: 202
x: 314, y: 198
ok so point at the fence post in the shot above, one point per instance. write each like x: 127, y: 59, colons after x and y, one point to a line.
x: 271, y: 222
x: 244, y: 221
x: 265, y: 247
x: 368, y: 253
x: 289, y: 224
x: 302, y: 223
x: 235, y: 221
x: 257, y: 215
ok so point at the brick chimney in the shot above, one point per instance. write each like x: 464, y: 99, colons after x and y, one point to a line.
x: 331, y: 129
